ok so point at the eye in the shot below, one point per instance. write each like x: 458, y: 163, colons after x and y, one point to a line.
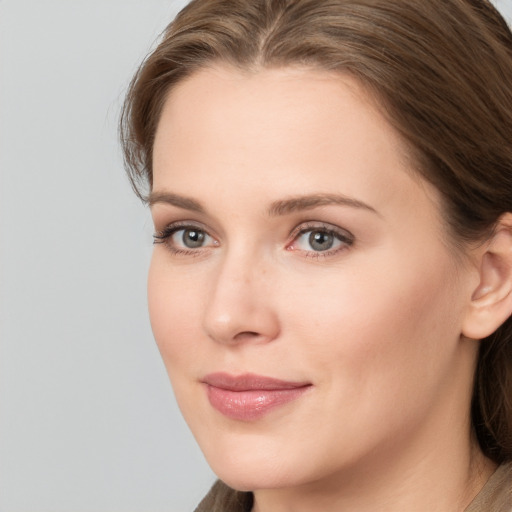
x: 183, y: 239
x: 191, y: 238
x: 321, y: 239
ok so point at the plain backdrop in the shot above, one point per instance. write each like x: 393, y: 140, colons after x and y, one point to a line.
x: 88, y: 422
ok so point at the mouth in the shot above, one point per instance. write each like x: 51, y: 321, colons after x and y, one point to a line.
x: 249, y: 397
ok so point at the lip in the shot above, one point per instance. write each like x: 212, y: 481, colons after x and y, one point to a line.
x: 249, y: 397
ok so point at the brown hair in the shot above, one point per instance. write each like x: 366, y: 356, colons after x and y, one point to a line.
x: 442, y: 72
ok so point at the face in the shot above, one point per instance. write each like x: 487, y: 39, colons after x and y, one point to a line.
x: 301, y: 292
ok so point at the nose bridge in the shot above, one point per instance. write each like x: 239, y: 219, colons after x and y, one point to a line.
x: 239, y: 306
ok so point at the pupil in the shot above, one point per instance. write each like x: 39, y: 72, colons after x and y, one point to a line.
x: 193, y: 238
x: 320, y: 241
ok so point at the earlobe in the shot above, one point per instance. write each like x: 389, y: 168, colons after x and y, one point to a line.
x: 491, y: 301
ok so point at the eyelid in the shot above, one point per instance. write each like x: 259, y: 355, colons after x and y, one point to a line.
x: 173, y: 226
x: 304, y: 227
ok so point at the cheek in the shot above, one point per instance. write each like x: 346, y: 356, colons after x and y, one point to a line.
x: 174, y: 306
x: 374, y: 326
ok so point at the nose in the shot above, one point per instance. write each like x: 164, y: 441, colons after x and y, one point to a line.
x: 239, y: 308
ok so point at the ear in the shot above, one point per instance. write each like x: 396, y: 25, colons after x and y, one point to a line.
x: 491, y: 302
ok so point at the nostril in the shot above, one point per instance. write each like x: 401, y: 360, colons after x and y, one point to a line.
x: 246, y: 335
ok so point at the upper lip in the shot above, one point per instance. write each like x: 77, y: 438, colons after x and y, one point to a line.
x: 249, y: 381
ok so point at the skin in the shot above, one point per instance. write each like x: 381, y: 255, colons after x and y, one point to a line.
x: 374, y: 324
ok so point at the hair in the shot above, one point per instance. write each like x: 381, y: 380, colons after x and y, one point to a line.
x: 441, y: 71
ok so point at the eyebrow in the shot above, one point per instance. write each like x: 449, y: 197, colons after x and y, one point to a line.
x: 308, y: 202
x: 277, y: 208
x: 183, y: 202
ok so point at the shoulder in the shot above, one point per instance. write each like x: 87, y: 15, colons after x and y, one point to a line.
x: 496, y: 495
x: 222, y: 498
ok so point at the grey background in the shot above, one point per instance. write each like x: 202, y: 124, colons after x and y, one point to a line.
x: 87, y: 417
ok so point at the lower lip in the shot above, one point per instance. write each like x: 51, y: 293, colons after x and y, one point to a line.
x: 251, y: 405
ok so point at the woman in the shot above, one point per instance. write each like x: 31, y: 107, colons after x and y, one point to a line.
x: 331, y: 284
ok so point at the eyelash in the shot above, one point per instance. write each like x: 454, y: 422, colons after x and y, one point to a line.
x: 341, y: 235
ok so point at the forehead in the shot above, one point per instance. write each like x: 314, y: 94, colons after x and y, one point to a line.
x: 287, y: 131
x: 303, y: 102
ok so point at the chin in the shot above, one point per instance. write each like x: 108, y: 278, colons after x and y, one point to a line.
x: 252, y: 478
x: 257, y: 466
x: 244, y: 470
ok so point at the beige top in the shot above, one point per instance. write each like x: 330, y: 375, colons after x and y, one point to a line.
x: 495, y: 496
